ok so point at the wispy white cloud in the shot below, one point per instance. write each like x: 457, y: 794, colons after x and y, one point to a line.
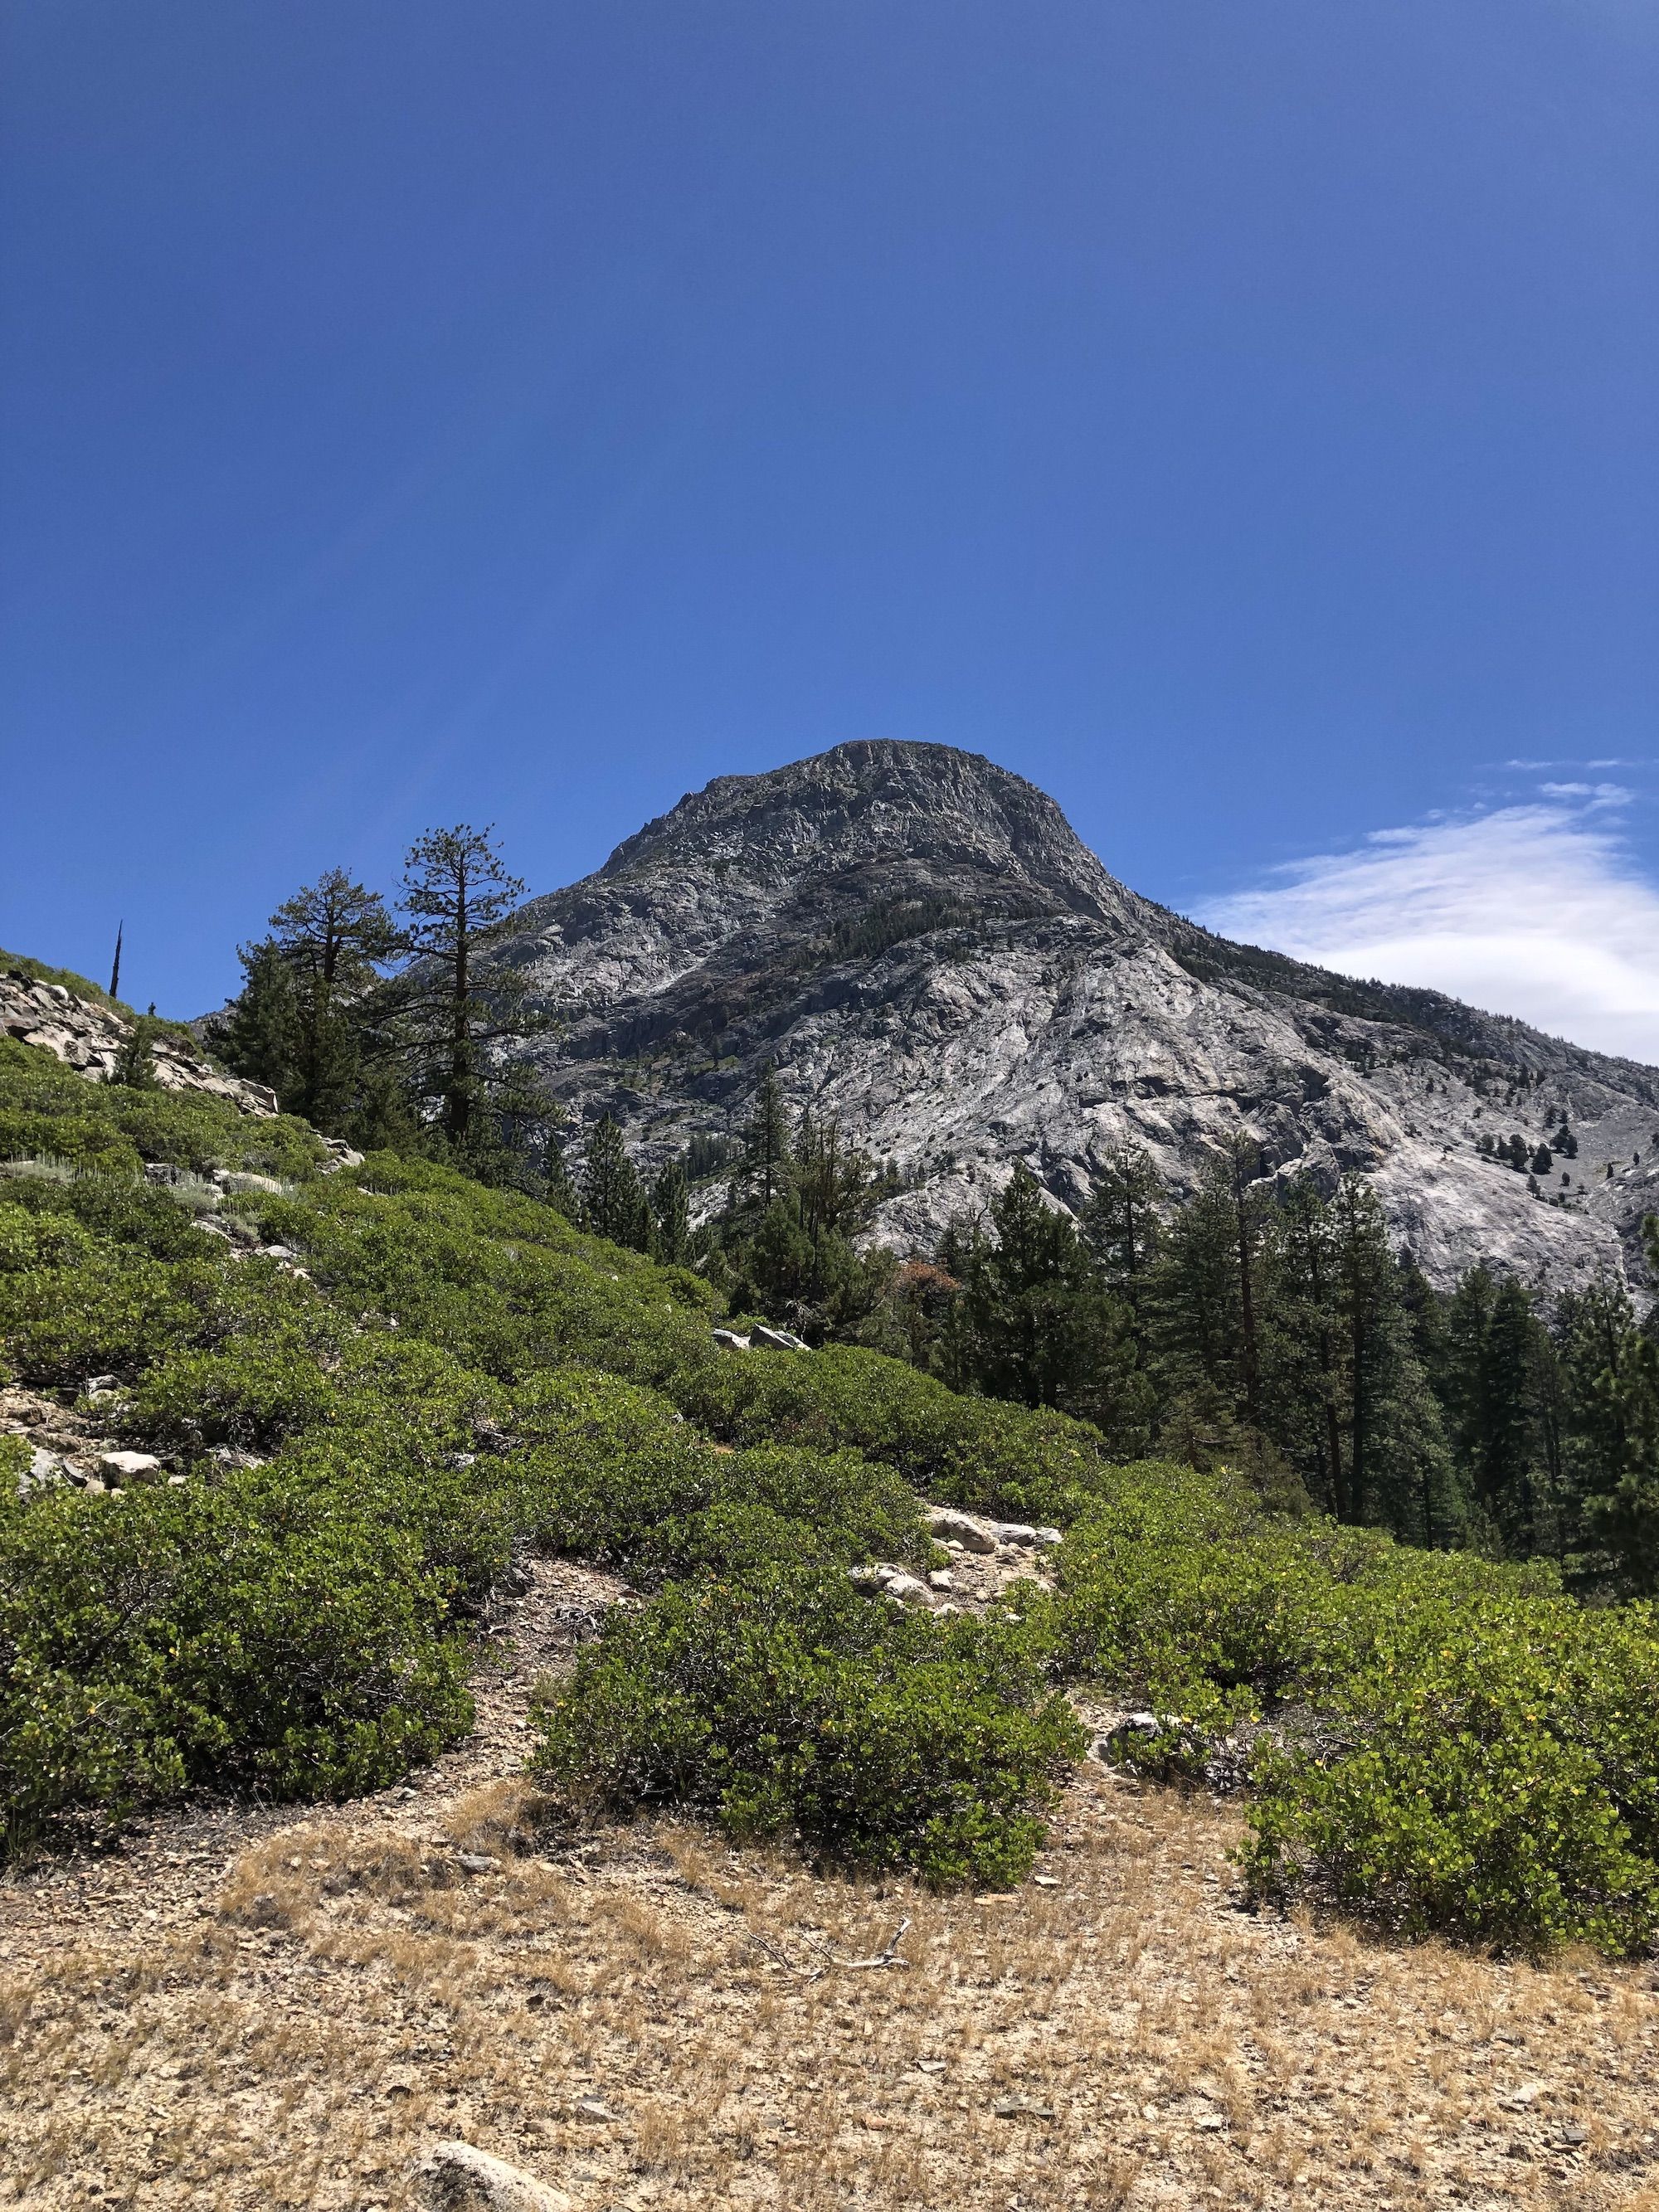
x: 1532, y: 765
x: 1595, y: 794
x: 1536, y: 910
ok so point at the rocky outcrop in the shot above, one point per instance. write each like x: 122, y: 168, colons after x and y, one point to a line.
x: 88, y: 1037
x: 455, y: 2177
x: 926, y: 950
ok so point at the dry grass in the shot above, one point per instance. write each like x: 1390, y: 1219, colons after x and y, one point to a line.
x: 246, y: 2010
x: 292, y: 2032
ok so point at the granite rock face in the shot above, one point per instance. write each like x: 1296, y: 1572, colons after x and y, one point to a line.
x: 926, y: 950
x: 88, y: 1037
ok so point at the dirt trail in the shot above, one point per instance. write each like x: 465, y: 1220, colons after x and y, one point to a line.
x: 251, y: 2007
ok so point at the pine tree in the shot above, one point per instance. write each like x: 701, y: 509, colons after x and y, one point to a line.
x: 1033, y: 1322
x: 561, y: 1192
x: 836, y: 1188
x: 334, y: 936
x: 1400, y: 1469
x: 766, y: 1139
x: 1304, y: 1374
x: 1609, y: 1383
x: 134, y: 1062
x: 257, y: 1034
x: 1492, y: 1356
x: 299, y: 1022
x: 453, y: 1007
x: 1193, y: 1292
x: 612, y: 1200
x: 670, y: 1213
x: 1625, y: 1517
x: 1120, y: 1222
x: 510, y: 1137
x: 1248, y: 1205
x: 777, y: 1261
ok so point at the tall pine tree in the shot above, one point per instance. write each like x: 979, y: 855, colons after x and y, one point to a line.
x: 613, y: 1200
x: 766, y: 1140
x: 453, y: 1007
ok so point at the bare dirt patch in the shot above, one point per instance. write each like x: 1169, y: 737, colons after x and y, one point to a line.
x: 247, y: 2008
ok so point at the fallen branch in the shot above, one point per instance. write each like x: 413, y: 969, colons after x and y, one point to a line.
x: 889, y: 1957
x: 778, y: 1959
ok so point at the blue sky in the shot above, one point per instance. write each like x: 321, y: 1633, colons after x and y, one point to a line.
x: 1240, y: 420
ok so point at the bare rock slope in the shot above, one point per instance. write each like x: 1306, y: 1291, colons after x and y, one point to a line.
x: 87, y: 1036
x: 926, y: 950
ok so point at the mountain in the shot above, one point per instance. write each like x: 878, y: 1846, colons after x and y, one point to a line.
x: 927, y: 950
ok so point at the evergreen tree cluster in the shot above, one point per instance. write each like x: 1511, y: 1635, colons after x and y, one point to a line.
x: 385, y: 1023
x: 1526, y: 1159
x: 782, y: 1242
x: 610, y: 1198
x: 1274, y: 1330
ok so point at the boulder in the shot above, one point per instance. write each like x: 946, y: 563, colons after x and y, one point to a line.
x: 731, y: 1340
x: 117, y: 1467
x: 778, y: 1339
x: 906, y: 1590
x: 43, y: 1469
x: 1128, y: 1725
x: 1014, y: 1532
x: 454, y: 2177
x: 947, y: 1526
x: 243, y: 1180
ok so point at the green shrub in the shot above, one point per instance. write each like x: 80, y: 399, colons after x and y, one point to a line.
x: 250, y: 1392
x: 28, y: 1244
x: 15, y: 1458
x: 194, y: 1130
x: 45, y: 1107
x: 1178, y: 1584
x: 782, y: 1703
x: 1493, y: 1771
x: 1456, y: 1746
x: 250, y: 1634
x: 1181, y: 1578
x: 1450, y: 1743
x: 730, y: 1539
x: 119, y: 1210
x: 107, y: 1315
x: 313, y: 1659
x: 600, y: 1463
x: 860, y: 1508
x: 81, y: 1140
x: 972, y: 1452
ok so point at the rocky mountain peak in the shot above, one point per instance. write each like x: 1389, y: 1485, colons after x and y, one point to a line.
x: 922, y: 945
x: 874, y: 802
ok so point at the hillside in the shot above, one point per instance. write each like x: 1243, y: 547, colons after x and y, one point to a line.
x: 640, y: 1679
x: 926, y: 949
